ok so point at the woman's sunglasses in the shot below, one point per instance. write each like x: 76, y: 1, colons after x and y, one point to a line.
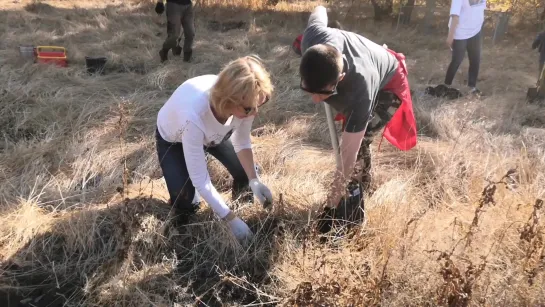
x: 249, y: 110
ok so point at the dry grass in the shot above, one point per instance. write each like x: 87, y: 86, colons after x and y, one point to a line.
x: 84, y: 218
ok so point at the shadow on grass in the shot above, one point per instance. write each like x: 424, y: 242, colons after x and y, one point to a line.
x: 86, y: 253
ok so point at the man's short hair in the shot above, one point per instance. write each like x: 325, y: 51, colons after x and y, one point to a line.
x: 320, y: 66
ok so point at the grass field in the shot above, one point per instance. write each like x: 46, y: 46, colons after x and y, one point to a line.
x: 84, y: 214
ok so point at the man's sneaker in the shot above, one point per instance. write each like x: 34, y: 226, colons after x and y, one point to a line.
x: 187, y: 56
x: 164, y: 55
x: 177, y: 50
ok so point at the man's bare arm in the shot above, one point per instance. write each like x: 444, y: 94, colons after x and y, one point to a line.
x: 349, y: 147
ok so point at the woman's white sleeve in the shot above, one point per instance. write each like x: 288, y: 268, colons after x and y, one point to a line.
x: 193, y: 143
x: 241, y: 136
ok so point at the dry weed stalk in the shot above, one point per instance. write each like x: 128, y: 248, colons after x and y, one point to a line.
x: 532, y: 234
x: 487, y: 198
x: 458, y: 286
x: 122, y: 124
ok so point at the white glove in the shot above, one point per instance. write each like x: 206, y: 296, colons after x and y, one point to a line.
x: 240, y: 229
x: 261, y: 191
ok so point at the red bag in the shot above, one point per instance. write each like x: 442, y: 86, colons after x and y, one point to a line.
x: 296, y: 45
x: 400, y: 131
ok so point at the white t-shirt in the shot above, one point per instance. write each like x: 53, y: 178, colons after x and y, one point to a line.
x: 471, y: 17
x: 188, y: 119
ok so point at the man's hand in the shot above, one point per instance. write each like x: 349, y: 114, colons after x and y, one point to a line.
x: 261, y: 192
x: 159, y: 7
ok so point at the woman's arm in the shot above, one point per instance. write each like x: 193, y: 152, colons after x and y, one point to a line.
x: 192, y: 141
x: 246, y: 158
x: 243, y: 146
x: 455, y: 10
x: 452, y: 30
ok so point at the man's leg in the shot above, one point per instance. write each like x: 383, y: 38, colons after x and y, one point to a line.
x: 179, y: 185
x: 174, y: 16
x: 225, y: 153
x: 458, y: 52
x: 188, y: 23
x: 387, y: 105
x: 474, y: 54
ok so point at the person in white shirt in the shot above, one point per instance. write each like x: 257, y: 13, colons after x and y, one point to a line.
x: 466, y: 22
x: 213, y: 114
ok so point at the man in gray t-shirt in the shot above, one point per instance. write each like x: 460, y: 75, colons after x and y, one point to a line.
x: 347, y: 71
x: 367, y: 68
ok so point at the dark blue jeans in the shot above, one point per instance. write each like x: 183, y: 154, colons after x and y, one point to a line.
x: 179, y: 185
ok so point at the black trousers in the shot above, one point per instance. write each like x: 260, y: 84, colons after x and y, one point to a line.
x: 180, y: 187
x: 459, y: 47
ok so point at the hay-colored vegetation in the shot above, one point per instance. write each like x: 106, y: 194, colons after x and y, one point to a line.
x: 84, y: 219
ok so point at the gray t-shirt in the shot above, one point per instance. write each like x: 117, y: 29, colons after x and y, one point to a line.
x: 368, y: 67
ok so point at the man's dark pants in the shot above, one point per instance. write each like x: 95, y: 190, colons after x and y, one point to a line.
x: 473, y: 46
x: 179, y: 16
x: 179, y: 185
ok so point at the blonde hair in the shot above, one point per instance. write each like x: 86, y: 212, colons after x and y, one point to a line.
x: 242, y: 82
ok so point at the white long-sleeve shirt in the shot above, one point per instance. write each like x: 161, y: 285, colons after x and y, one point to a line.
x: 187, y: 118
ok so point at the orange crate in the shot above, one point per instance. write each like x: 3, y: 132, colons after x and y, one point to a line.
x: 51, y: 54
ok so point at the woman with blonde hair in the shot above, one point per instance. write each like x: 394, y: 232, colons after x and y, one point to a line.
x: 213, y: 114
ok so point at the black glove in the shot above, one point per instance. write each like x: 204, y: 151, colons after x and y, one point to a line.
x: 159, y: 8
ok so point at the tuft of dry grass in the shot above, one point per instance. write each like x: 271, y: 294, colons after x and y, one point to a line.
x: 85, y: 220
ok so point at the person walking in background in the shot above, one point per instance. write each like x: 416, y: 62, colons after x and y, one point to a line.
x: 213, y: 114
x: 466, y: 21
x: 179, y: 15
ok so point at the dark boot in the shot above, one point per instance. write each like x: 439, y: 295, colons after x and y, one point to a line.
x: 164, y: 55
x: 350, y: 212
x: 182, y: 216
x: 326, y: 219
x: 187, y: 56
x: 177, y: 50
